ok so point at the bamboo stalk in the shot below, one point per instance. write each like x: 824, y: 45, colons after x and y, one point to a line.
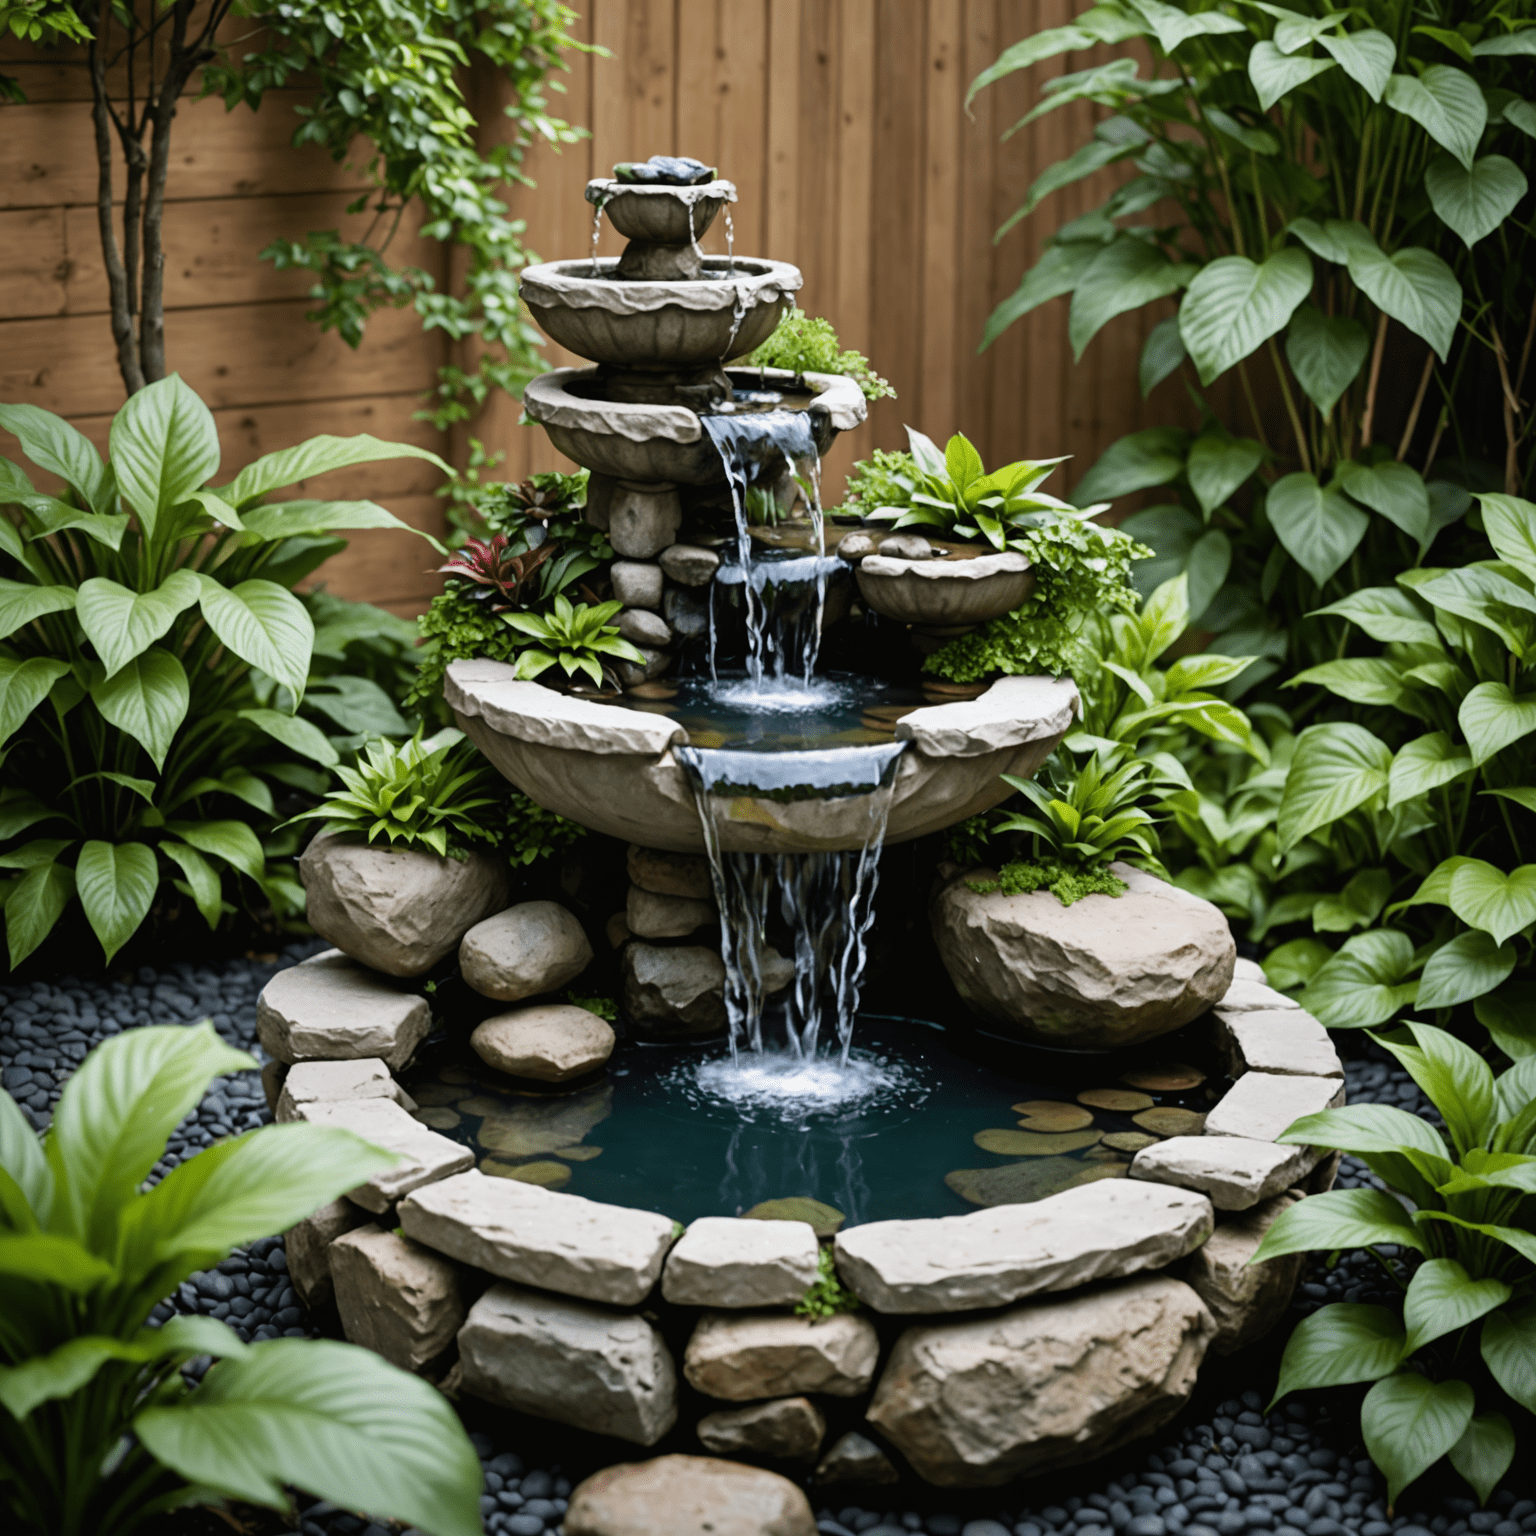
x: 1418, y: 402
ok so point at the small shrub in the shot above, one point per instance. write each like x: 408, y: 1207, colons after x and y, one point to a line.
x: 804, y: 344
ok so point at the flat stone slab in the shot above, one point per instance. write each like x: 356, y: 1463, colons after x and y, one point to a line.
x: 570, y: 1361
x: 1286, y: 1040
x: 977, y: 1403
x: 728, y: 1261
x: 1263, y: 1105
x: 1249, y: 970
x: 551, y: 1042
x: 395, y: 1297
x: 741, y: 1357
x: 1244, y: 995
x: 329, y: 1008
x: 960, y: 1263
x: 1246, y: 1299
x: 311, y: 1082
x: 688, y: 1496
x: 535, y: 1236
x: 786, y: 1429
x: 425, y: 1156
x: 1233, y: 1171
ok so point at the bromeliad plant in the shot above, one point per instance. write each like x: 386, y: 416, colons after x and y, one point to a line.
x: 574, y: 637
x: 1459, y: 1357
x: 152, y: 652
x: 100, y: 1433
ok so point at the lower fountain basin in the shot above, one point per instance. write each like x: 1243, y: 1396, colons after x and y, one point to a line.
x: 649, y: 443
x: 613, y: 769
x: 945, y: 592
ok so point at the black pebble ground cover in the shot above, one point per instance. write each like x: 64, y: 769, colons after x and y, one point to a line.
x: 1220, y: 1469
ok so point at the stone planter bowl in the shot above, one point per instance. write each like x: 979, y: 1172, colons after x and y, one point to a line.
x: 943, y: 592
x: 657, y: 213
x: 612, y: 769
x: 666, y: 442
x: 659, y: 326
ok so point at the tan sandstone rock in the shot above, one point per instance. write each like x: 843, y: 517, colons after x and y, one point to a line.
x: 1262, y: 1105
x: 728, y: 1261
x: 649, y: 916
x: 397, y: 910
x: 1233, y: 1171
x: 548, y: 1041
x: 1106, y: 971
x: 1246, y: 1299
x: 741, y: 1357
x: 395, y: 1297
x: 688, y: 1496
x: 1050, y: 1384
x: 308, y: 1247
x: 424, y: 1155
x: 309, y: 1082
x: 786, y: 1429
x: 533, y: 947
x: 329, y: 1008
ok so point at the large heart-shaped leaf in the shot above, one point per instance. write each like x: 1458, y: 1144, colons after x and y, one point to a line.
x: 1386, y: 614
x: 23, y: 686
x: 116, y: 883
x: 1510, y: 523
x: 1484, y: 1453
x: 1176, y: 24
x: 1365, y: 983
x: 1326, y: 354
x: 1142, y: 459
x: 1508, y: 1345
x: 1218, y: 464
x: 1443, y: 1297
x: 1483, y: 896
x: 164, y: 445
x: 1123, y: 276
x: 1415, y: 287
x: 264, y: 624
x: 122, y: 624
x: 1360, y: 679
x: 1366, y: 57
x: 1336, y: 767
x: 1318, y: 525
x: 1343, y: 1343
x: 33, y: 905
x: 22, y: 601
x: 1275, y: 74
x: 147, y: 700
x: 1467, y: 967
x: 1474, y: 202
x: 1492, y: 718
x: 299, y: 735
x: 1425, y: 764
x: 52, y: 444
x: 1234, y: 306
x: 1447, y: 104
x: 1410, y: 1422
x: 316, y: 456
x: 1395, y: 490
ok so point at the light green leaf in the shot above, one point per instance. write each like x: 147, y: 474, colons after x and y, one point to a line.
x: 1294, y: 964
x: 298, y: 735
x: 1333, y: 240
x: 21, y: 602
x: 1457, y: 1080
x: 202, y: 879
x: 164, y: 446
x: 1360, y: 679
x: 264, y: 624
x: 1092, y: 157
x: 1175, y: 24
x: 1366, y: 1129
x: 52, y: 516
x: 1521, y: 115
x: 218, y: 509
x: 1358, y: 905
x: 332, y: 1419
x: 1410, y: 1422
x: 1492, y: 718
x: 33, y: 905
x: 1124, y: 275
x: 1320, y: 528
x: 1218, y: 464
x: 358, y: 704
x: 22, y: 1161
x: 1142, y: 459
x: 1395, y: 490
x: 1414, y: 286
x: 1504, y: 44
x: 1325, y: 353
x: 1484, y: 1453
x: 1161, y: 354
x: 1508, y: 1347
x: 143, y: 788
x: 1338, y: 1344
x: 1234, y: 306
x: 232, y: 841
x: 290, y: 519
x: 1447, y: 104
x: 147, y: 700
x: 1365, y: 983
x: 1101, y: 24
x: 1443, y: 1297
x: 1485, y: 897
x: 122, y: 624
x: 51, y: 1259
x: 1207, y: 670
x: 1057, y: 272
x: 1426, y: 764
x: 23, y: 686
x: 1474, y: 202
x: 116, y: 883
x: 316, y: 456
x: 1386, y: 614
x: 52, y: 444
x: 1274, y: 74
x: 1366, y: 57
x: 1510, y: 524
x: 1337, y: 767
x: 1467, y: 967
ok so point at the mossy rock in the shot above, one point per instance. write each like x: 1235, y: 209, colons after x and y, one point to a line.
x: 1122, y: 1100
x: 1168, y: 1121
x: 1034, y: 1143
x: 546, y: 1174
x: 1167, y: 1077
x: 825, y: 1219
x: 1047, y: 1115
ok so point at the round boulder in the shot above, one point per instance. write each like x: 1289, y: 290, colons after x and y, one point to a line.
x: 548, y: 1041
x: 397, y: 910
x: 688, y: 1496
x: 1105, y: 972
x: 533, y: 947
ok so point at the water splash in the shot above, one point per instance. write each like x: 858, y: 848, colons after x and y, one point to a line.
x: 730, y: 246
x: 597, y: 227
x: 786, y: 596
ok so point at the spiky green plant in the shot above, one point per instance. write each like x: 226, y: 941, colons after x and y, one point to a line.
x: 576, y: 637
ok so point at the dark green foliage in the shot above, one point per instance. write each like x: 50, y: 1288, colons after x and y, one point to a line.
x: 455, y: 628
x: 826, y: 1295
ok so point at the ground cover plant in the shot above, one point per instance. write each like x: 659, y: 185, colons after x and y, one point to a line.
x: 805, y: 344
x: 101, y: 1432
x: 153, y: 658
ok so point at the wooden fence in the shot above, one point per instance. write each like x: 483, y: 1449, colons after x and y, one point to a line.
x: 842, y: 123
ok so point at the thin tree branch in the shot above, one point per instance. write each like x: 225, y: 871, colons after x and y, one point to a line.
x: 1418, y: 402
x: 1290, y: 408
x: 1368, y: 419
x: 117, y: 278
x: 1525, y: 351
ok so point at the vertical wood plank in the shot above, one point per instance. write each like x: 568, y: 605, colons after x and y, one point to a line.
x: 942, y: 242
x: 780, y: 235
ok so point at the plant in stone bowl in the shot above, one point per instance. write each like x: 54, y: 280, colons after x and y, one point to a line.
x: 805, y: 344
x: 100, y: 1430
x: 576, y: 637
x: 1459, y: 1357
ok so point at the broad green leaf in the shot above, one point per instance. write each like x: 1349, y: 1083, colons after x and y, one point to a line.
x: 1522, y: 115
x: 122, y: 624
x: 116, y: 883
x: 243, y: 786
x: 21, y: 1158
x: 1395, y: 490
x: 23, y: 686
x: 1325, y: 353
x: 1456, y: 1079
x: 1504, y: 44
x: 1510, y: 524
x: 1207, y: 670
x: 40, y: 850
x: 52, y: 516
x: 1333, y: 240
x: 1101, y: 24
x: 1366, y: 57
x: 232, y: 841
x: 202, y: 879
x: 1338, y: 1344
x: 1474, y: 202
x: 1124, y: 275
x: 1487, y: 898
x: 1509, y: 1016
x: 1467, y: 967
x: 1443, y: 1297
x: 357, y: 704
x: 1386, y: 614
x: 1415, y: 287
x: 1426, y: 764
x: 264, y: 624
x: 117, y: 1111
x: 1319, y: 527
x: 1260, y: 140
x: 1365, y: 1128
x: 1484, y: 1453
x: 147, y: 700
x: 332, y: 1419
x: 1508, y: 1347
x: 1365, y: 983
x: 1092, y: 157
x: 1234, y: 306
x: 1341, y: 1218
x: 52, y: 444
x: 1358, y: 905
x: 1161, y: 354
x: 1410, y: 1422
x: 1176, y: 24
x: 1274, y: 74
x: 1492, y: 718
x: 1057, y: 272
x: 1485, y: 594
x: 299, y: 735
x: 1218, y: 464
x: 164, y: 446
x: 1336, y: 767
x: 316, y: 456
x: 289, y: 519
x: 1293, y: 965
x: 1360, y: 679
x: 218, y: 509
x: 21, y: 602
x: 33, y: 905
x: 1142, y: 459
x: 1447, y: 104
x: 962, y: 462
x: 143, y: 788
x: 1448, y: 39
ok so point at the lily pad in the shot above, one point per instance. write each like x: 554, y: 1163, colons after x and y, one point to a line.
x: 1123, y: 1099
x: 437, y: 1093
x: 531, y: 1127
x: 437, y: 1118
x: 1129, y: 1141
x: 547, y: 1175
x: 1014, y: 1183
x: 824, y: 1219
x: 481, y: 1104
x: 1168, y: 1121
x: 1056, y: 1117
x: 1034, y: 1143
x: 1167, y: 1077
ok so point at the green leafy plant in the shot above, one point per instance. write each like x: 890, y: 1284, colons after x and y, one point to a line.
x: 574, y: 637
x: 826, y: 1296
x: 152, y: 653
x: 1460, y: 1355
x: 603, y: 1007
x: 456, y: 627
x: 884, y: 479
x: 99, y: 1430
x: 804, y: 344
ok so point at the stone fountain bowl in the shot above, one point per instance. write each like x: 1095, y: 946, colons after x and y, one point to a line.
x: 660, y: 214
x: 666, y: 442
x: 940, y: 593
x: 613, y: 770
x: 665, y: 327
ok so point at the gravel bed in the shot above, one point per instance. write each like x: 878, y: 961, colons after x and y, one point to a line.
x: 1299, y: 1472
